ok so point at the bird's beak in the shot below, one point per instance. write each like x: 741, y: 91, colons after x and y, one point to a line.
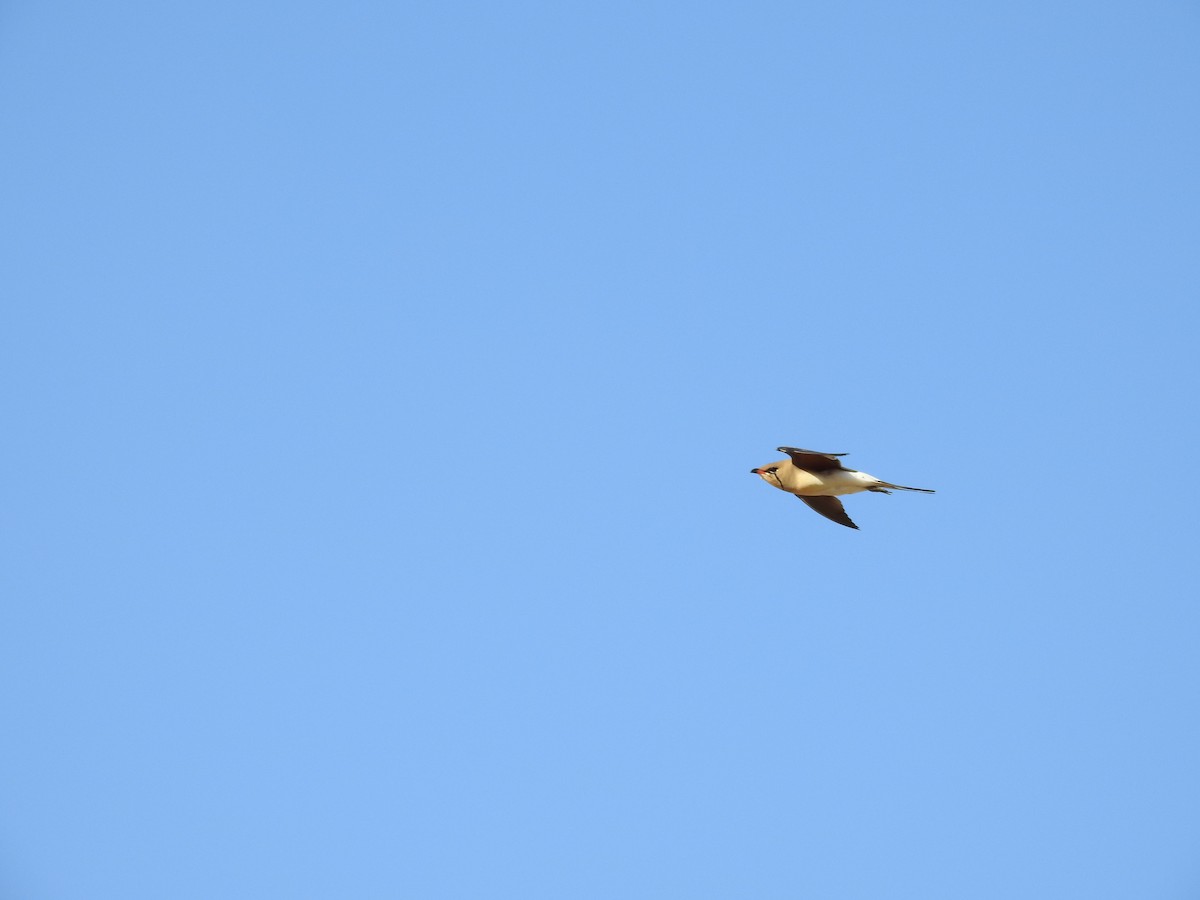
x: 756, y: 471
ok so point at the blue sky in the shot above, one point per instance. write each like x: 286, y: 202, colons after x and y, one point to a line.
x: 381, y: 385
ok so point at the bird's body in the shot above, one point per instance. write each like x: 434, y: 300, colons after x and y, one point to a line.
x: 830, y: 483
x: 819, y: 479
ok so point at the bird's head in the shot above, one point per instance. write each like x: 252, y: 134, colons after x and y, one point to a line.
x: 770, y: 473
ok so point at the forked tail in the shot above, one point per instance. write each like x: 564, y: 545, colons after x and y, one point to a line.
x: 900, y: 487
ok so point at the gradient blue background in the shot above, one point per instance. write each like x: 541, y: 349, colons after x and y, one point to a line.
x: 381, y: 382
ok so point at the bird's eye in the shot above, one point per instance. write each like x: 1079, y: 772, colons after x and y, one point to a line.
x: 772, y: 470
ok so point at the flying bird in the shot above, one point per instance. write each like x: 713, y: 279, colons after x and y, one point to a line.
x: 819, y: 479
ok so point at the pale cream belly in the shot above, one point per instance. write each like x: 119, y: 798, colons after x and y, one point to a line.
x: 831, y: 484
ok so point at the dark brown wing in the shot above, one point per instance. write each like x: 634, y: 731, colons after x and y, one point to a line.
x: 811, y: 460
x: 830, y: 508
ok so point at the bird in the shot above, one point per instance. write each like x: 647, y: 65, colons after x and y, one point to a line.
x: 819, y: 479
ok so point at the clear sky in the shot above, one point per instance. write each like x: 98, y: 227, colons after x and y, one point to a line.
x: 381, y: 384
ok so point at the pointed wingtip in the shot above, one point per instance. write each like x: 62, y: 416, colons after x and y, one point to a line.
x: 829, y: 507
x: 817, y: 452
